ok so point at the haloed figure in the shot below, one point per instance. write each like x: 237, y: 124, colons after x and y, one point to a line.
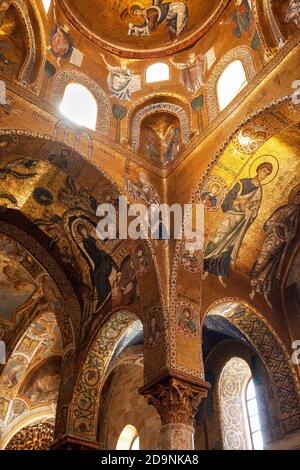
x: 241, y: 207
x: 280, y: 230
x: 175, y: 14
x: 100, y: 265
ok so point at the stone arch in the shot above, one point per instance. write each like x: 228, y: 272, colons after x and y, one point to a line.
x: 84, y: 407
x: 242, y: 53
x: 64, y: 77
x: 69, y: 319
x: 272, y: 352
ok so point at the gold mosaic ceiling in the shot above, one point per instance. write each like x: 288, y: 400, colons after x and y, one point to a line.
x: 137, y: 27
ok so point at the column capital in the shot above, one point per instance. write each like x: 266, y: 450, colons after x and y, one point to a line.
x: 176, y: 399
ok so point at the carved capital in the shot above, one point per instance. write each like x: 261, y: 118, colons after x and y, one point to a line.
x: 176, y: 400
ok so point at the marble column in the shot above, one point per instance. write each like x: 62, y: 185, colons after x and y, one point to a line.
x: 176, y: 401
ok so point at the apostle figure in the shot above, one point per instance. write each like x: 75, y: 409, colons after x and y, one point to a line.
x: 60, y: 42
x: 242, y: 18
x: 100, y: 266
x: 121, y: 81
x: 175, y: 14
x: 240, y: 207
x: 192, y: 71
x: 293, y: 13
x: 280, y: 230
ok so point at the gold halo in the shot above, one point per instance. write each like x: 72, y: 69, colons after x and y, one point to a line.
x: 215, y: 183
x: 264, y: 159
x: 293, y: 193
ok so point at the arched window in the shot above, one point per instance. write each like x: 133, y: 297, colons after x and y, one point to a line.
x: 129, y: 439
x: 46, y: 4
x: 231, y: 83
x: 158, y: 72
x: 238, y: 406
x: 79, y: 105
x: 253, y: 416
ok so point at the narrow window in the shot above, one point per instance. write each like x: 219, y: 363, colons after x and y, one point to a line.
x: 253, y: 417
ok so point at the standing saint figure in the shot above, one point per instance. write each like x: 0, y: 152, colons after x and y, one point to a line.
x: 293, y: 13
x: 143, y: 190
x: 175, y: 14
x: 121, y: 81
x: 241, y: 207
x: 280, y: 230
x: 192, y: 72
x: 100, y: 264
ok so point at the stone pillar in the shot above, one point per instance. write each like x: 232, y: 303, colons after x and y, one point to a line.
x: 176, y: 401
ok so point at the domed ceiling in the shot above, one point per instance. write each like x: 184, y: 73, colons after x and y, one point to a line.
x: 139, y: 28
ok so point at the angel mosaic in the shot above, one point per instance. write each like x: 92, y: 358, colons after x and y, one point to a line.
x: 147, y: 18
x: 192, y: 71
x: 122, y: 82
x: 61, y: 44
x: 280, y: 230
x: 249, y: 139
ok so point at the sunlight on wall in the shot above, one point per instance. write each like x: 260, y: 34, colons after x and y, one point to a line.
x: 79, y: 105
x: 157, y: 73
x: 231, y: 83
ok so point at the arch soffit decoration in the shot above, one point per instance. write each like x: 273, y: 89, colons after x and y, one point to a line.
x: 65, y: 77
x: 78, y: 165
x: 272, y: 352
x: 72, y: 310
x: 84, y: 408
x: 242, y: 53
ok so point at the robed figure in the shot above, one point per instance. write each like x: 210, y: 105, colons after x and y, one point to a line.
x: 280, y: 230
x: 240, y: 207
x: 100, y: 264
